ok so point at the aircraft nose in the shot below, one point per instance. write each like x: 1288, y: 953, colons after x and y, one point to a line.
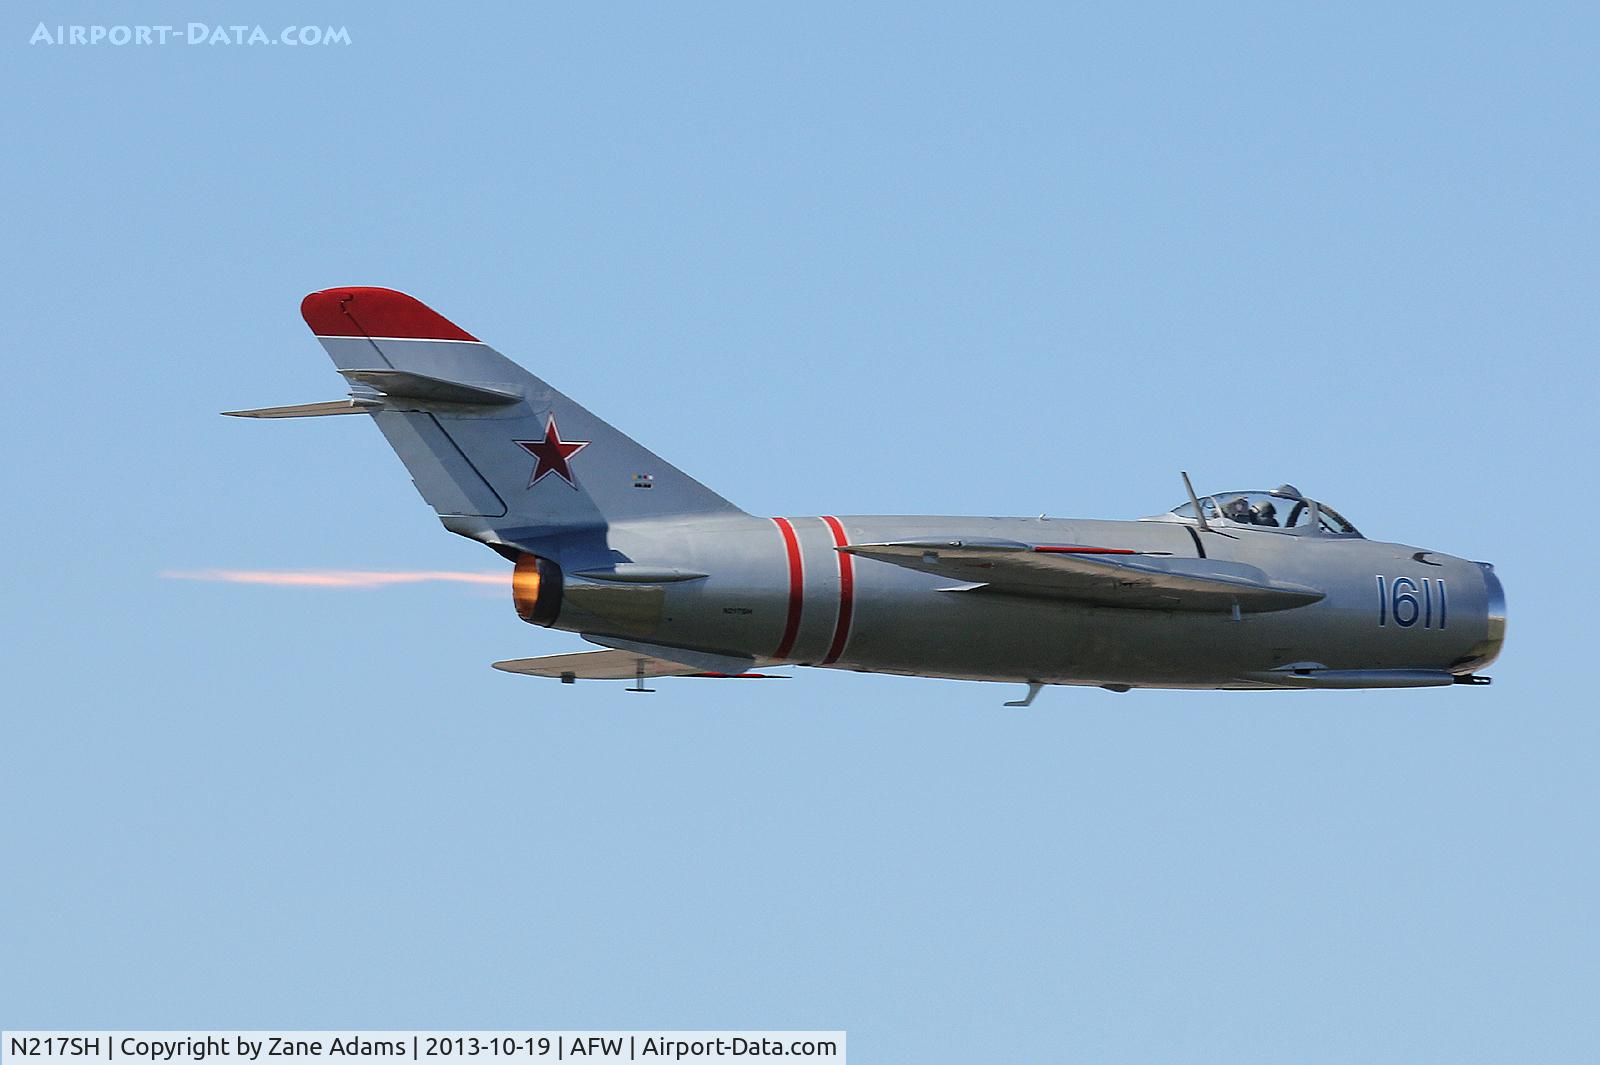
x: 1487, y: 650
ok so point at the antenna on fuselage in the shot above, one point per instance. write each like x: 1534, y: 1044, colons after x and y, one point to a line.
x: 1199, y: 514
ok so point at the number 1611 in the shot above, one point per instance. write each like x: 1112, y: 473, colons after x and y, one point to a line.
x: 1407, y: 602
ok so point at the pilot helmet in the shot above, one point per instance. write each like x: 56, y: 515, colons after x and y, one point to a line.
x: 1265, y: 509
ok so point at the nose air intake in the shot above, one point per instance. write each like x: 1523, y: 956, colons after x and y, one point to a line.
x: 1487, y: 650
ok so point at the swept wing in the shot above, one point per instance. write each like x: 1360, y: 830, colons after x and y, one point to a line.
x: 1098, y: 576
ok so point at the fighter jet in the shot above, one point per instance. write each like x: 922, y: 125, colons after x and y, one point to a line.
x: 1248, y: 590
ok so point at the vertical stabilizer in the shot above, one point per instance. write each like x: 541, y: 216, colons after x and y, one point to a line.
x: 482, y: 437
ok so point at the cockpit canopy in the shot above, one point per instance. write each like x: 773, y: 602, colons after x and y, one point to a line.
x: 1283, y: 509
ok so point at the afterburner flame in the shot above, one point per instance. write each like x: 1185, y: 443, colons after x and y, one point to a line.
x: 335, y: 578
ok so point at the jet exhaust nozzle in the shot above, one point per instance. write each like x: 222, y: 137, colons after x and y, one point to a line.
x: 536, y: 590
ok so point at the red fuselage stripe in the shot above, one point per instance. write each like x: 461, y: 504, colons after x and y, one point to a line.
x: 1050, y: 549
x: 797, y: 588
x: 847, y: 593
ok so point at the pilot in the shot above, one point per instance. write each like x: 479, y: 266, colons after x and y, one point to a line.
x: 1238, y: 509
x: 1264, y: 513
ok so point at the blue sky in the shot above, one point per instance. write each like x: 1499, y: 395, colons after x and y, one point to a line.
x: 828, y: 259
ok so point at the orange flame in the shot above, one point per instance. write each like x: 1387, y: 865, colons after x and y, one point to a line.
x: 335, y: 578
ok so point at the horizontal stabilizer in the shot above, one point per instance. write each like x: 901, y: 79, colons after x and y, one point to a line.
x: 403, y: 384
x: 398, y: 388
x: 1099, y: 576
x: 596, y: 665
x: 618, y: 664
x: 307, y: 410
x: 700, y: 661
x: 638, y: 573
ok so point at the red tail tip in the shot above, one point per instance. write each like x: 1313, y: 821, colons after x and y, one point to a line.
x: 376, y: 312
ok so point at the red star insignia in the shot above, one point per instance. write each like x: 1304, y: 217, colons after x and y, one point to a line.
x: 552, y: 453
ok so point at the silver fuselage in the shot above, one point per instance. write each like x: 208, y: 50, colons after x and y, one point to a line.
x: 811, y: 606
